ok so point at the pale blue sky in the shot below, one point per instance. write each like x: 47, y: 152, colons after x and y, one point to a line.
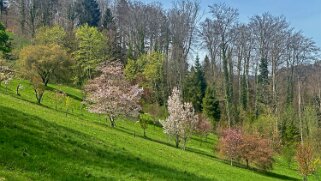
x: 302, y: 15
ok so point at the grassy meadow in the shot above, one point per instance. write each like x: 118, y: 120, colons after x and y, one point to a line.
x: 42, y: 142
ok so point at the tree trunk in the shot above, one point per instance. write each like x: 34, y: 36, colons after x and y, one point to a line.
x: 184, y: 143
x: 256, y: 110
x: 177, y: 141
x: 112, y: 121
x: 227, y: 84
x: 38, y: 96
x: 17, y: 89
x: 144, y: 133
x: 247, y: 163
x: 305, y: 178
x: 299, y: 111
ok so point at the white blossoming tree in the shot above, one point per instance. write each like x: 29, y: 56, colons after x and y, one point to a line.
x: 182, y: 120
x: 111, y: 94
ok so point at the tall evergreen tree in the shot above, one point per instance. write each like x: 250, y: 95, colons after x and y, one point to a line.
x: 88, y: 12
x: 195, y: 86
x: 211, y: 106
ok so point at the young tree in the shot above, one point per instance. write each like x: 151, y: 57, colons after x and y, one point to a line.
x: 58, y: 99
x: 257, y: 150
x: 89, y: 52
x: 211, y: 107
x: 38, y: 86
x: 306, y: 160
x: 144, y: 119
x: 44, y: 61
x: 181, y: 121
x: 229, y: 144
x: 67, y: 103
x: 112, y: 94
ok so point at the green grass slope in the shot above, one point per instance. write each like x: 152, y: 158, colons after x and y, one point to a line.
x: 42, y: 143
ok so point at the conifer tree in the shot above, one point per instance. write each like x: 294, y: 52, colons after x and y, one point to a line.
x: 88, y: 12
x: 211, y: 106
x: 196, y: 86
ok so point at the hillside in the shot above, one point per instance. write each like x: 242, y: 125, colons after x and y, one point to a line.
x: 42, y: 143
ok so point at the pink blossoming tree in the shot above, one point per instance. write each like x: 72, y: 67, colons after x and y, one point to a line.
x: 111, y: 94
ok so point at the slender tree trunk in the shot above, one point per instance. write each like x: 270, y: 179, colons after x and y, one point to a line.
x: 305, y: 178
x: 256, y: 111
x: 112, y: 121
x: 300, y: 111
x: 38, y: 96
x: 17, y: 89
x: 184, y: 143
x: 177, y: 141
x: 227, y: 84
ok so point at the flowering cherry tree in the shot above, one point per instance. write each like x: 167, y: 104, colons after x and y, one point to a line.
x: 182, y: 120
x: 111, y: 94
x: 230, y: 142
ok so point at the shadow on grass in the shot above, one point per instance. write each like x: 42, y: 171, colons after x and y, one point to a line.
x: 70, y: 113
x: 259, y: 171
x: 69, y: 95
x: 34, y: 145
x: 200, y: 152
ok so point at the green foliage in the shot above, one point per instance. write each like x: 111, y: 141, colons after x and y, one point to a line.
x: 88, y: 12
x: 5, y: 44
x: 211, y: 106
x: 89, y: 52
x: 51, y: 35
x: 144, y: 120
x: 310, y: 121
x: 289, y: 128
x: 147, y: 71
x: 288, y: 154
x: 195, y: 86
x: 45, y: 61
x: 67, y: 104
x: 58, y: 99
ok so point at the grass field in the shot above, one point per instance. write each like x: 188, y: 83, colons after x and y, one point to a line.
x: 39, y: 142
